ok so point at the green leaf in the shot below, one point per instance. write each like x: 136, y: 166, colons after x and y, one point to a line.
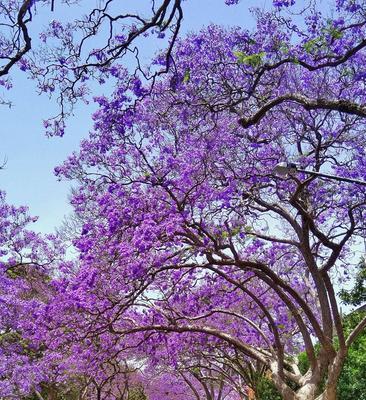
x: 313, y: 46
x: 335, y: 33
x: 187, y: 75
x: 284, y: 48
x: 235, y: 231
x: 239, y: 56
x: 332, y: 30
x: 254, y: 60
x: 310, y: 46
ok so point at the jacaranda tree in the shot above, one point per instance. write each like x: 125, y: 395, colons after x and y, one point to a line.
x: 190, y: 239
x: 188, y: 231
x: 27, y: 261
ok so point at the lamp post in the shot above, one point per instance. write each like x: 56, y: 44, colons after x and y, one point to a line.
x: 285, y: 168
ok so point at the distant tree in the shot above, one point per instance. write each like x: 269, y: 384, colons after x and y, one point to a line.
x: 352, y: 381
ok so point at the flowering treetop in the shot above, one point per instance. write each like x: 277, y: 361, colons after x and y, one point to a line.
x: 184, y: 214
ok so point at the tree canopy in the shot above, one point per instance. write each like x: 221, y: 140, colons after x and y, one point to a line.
x: 200, y: 268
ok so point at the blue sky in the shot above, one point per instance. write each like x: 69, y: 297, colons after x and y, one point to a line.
x: 30, y: 156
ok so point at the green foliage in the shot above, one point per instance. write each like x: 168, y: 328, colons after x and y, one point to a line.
x: 303, y: 361
x: 313, y: 46
x: 352, y: 382
x: 335, y: 33
x: 332, y: 31
x: 233, y: 232
x: 253, y: 60
x: 304, y: 365
x: 357, y: 295
x: 284, y: 47
x: 187, y: 76
x: 266, y: 390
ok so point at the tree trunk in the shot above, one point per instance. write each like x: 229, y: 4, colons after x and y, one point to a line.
x: 329, y: 394
x: 307, y: 392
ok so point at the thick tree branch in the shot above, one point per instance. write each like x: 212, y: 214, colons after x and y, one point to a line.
x: 342, y: 106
